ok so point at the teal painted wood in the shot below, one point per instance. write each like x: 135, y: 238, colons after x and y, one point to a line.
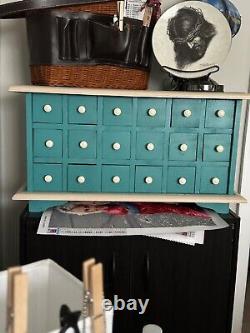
x: 48, y: 143
x: 217, y: 147
x: 214, y: 180
x: 47, y: 108
x: 84, y: 178
x: 82, y: 143
x: 151, y: 112
x: 40, y: 206
x: 219, y: 208
x: 183, y: 147
x: 115, y: 178
x: 82, y: 109
x: 29, y: 142
x: 187, y: 112
x: 47, y: 177
x: 216, y: 118
x: 116, y: 144
x: 149, y: 145
x: 117, y: 111
x: 181, y: 179
x: 148, y: 179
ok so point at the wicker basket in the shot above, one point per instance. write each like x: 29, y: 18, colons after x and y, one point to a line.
x: 90, y: 76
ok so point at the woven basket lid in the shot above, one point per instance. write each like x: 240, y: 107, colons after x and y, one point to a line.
x: 19, y: 9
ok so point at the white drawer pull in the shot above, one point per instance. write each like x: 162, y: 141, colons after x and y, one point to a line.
x: 183, y: 147
x: 81, y: 179
x: 116, y: 146
x: 83, y: 144
x: 187, y: 113
x: 116, y: 179
x: 220, y: 113
x: 148, y: 180
x: 48, y: 178
x: 182, y: 181
x: 152, y: 112
x: 219, y: 149
x: 150, y: 146
x: 49, y: 143
x: 47, y: 108
x: 81, y: 109
x: 215, y: 181
x: 117, y: 111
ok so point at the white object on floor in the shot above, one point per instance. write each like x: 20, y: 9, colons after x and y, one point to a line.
x: 151, y: 328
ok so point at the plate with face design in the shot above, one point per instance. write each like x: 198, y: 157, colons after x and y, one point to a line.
x: 191, y: 38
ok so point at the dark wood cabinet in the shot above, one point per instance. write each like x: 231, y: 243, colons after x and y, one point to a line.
x: 190, y: 289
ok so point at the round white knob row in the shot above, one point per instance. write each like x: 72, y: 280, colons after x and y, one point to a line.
x: 116, y: 146
x: 116, y: 179
x: 215, y: 181
x: 152, y: 112
x: 150, y: 146
x: 83, y: 144
x: 81, y: 109
x: 81, y: 179
x: 47, y: 108
x: 182, y: 181
x: 187, y: 113
x: 183, y: 147
x: 117, y: 111
x: 148, y: 180
x: 49, y: 143
x: 220, y: 113
x: 219, y: 149
x: 48, y: 178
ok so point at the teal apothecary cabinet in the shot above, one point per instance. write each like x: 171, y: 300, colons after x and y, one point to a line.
x: 112, y: 141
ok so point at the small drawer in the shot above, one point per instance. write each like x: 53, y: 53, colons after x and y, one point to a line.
x: 149, y: 145
x: 117, y: 111
x: 151, y: 112
x: 181, y: 179
x: 187, y: 112
x: 115, y: 178
x: 82, y: 143
x: 220, y: 114
x: 84, y: 178
x: 82, y: 109
x: 183, y: 147
x: 47, y: 177
x: 116, y: 144
x: 217, y: 147
x: 214, y: 180
x: 47, y: 108
x: 148, y: 179
x: 48, y: 143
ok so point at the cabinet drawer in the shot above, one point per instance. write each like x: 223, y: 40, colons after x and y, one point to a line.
x: 220, y: 114
x: 148, y: 179
x: 183, y: 147
x: 149, y: 145
x: 181, y: 179
x: 117, y: 111
x: 48, y: 143
x: 151, y: 112
x: 187, y: 112
x: 214, y: 180
x: 47, y: 177
x: 217, y: 147
x: 82, y: 143
x: 47, y: 108
x: 115, y: 178
x: 115, y: 144
x: 84, y: 178
x: 82, y: 109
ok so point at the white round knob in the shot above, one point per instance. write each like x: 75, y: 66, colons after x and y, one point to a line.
x: 47, y: 108
x: 220, y: 113
x: 117, y: 111
x: 83, y: 144
x: 215, y: 181
x: 150, y: 146
x: 219, y: 149
x: 49, y: 143
x: 48, y: 178
x: 81, y: 109
x: 116, y: 146
x: 187, y: 113
x: 183, y: 147
x: 182, y: 181
x: 148, y: 180
x: 81, y: 179
x: 152, y: 112
x: 116, y: 179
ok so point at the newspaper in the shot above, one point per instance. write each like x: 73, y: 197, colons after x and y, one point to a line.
x: 173, y: 222
x: 135, y: 9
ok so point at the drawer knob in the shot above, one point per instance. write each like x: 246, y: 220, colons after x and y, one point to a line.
x: 81, y: 109
x: 81, y: 179
x: 220, y: 113
x: 219, y: 149
x: 150, y: 146
x: 48, y: 178
x: 215, y: 181
x: 182, y: 181
x: 83, y: 144
x: 49, y: 143
x: 47, y: 108
x: 116, y: 146
x: 116, y: 179
x: 152, y: 112
x: 117, y: 111
x: 148, y: 180
x: 183, y: 147
x: 187, y: 113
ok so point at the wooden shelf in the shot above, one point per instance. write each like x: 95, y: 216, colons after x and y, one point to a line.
x: 128, y: 93
x: 22, y: 194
